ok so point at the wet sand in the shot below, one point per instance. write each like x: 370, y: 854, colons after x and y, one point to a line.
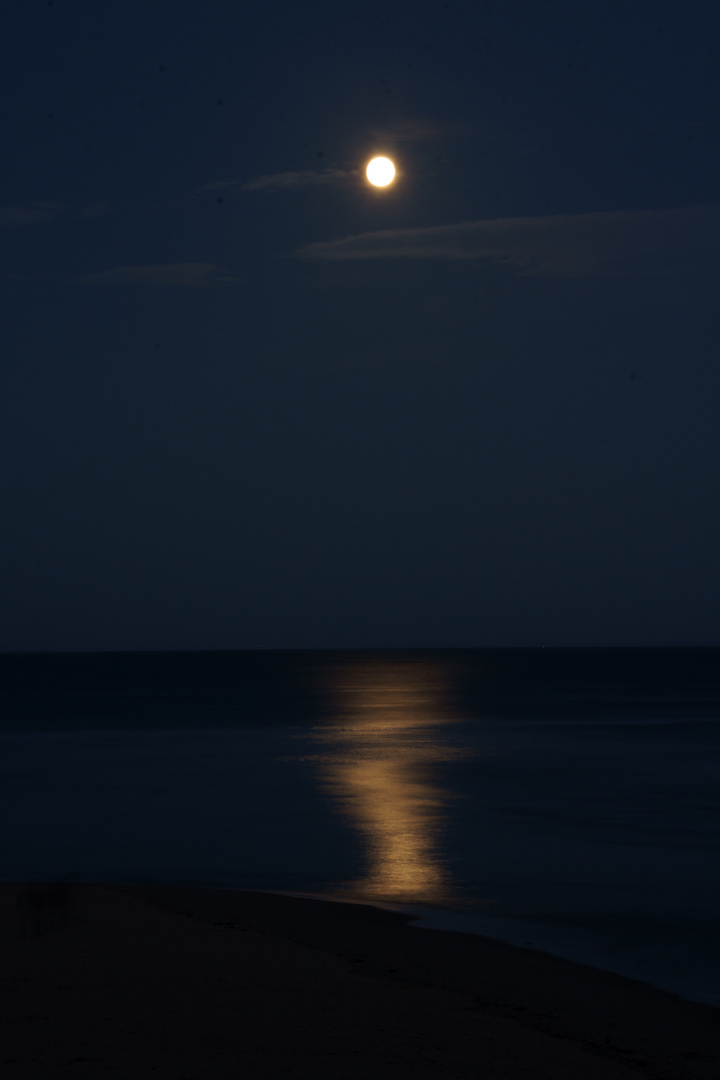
x: 208, y: 984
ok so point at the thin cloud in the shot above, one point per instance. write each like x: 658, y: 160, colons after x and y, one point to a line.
x: 35, y: 213
x: 555, y: 246
x: 166, y: 275
x: 288, y: 181
x: 97, y: 209
x: 220, y: 185
x: 411, y: 131
x: 13, y: 217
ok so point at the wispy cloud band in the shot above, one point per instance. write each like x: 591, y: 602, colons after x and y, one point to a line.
x: 12, y: 217
x: 303, y: 178
x: 166, y: 275
x: 559, y: 245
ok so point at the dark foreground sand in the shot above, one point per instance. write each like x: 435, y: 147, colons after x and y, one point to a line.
x: 203, y: 984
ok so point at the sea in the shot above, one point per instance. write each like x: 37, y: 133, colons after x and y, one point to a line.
x: 566, y: 800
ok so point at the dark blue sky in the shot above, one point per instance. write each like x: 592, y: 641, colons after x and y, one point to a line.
x: 246, y: 400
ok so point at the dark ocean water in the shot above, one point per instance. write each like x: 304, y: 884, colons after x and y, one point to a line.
x: 569, y: 799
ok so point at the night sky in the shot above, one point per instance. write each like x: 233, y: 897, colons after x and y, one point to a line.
x: 246, y: 400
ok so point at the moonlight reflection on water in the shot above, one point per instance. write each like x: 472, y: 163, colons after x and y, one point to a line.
x: 381, y: 749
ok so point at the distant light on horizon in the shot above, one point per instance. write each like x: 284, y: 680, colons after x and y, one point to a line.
x: 380, y: 171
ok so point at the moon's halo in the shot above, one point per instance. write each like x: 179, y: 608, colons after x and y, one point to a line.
x: 380, y: 171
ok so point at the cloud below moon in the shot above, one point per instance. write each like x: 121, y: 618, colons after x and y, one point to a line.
x: 561, y: 245
x: 303, y: 178
x: 31, y: 214
x: 167, y: 275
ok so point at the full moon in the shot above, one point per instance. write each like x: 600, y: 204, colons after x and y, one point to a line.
x: 380, y: 171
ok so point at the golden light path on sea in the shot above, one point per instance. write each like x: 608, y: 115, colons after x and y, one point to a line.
x: 378, y: 765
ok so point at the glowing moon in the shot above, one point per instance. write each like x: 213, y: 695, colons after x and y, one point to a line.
x: 380, y: 171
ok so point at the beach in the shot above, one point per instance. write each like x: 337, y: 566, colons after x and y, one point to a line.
x: 203, y: 984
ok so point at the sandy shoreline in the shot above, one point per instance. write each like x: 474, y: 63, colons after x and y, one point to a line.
x: 199, y: 984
